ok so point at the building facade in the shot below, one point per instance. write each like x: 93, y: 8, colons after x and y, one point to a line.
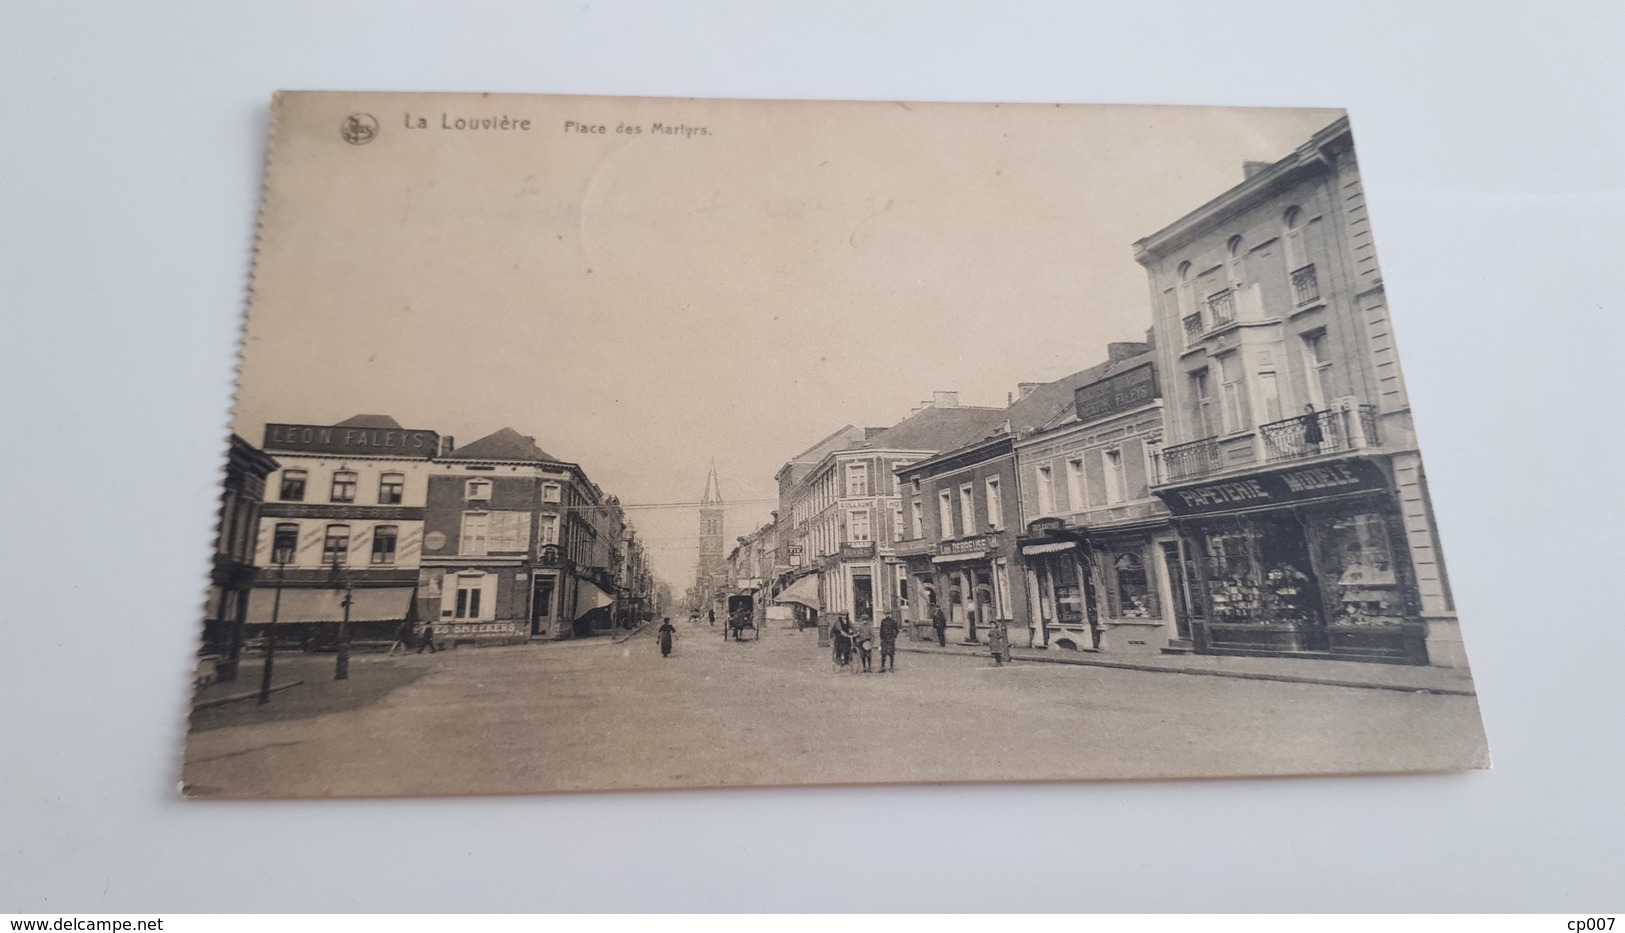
x: 846, y: 512
x: 343, y: 518
x: 231, y: 578
x: 1100, y: 552
x: 1290, y: 460
x: 517, y: 545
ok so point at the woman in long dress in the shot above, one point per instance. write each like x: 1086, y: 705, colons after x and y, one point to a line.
x: 667, y: 631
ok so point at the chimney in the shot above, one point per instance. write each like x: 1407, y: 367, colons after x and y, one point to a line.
x: 1123, y: 349
x: 940, y: 399
x: 447, y: 444
x: 1250, y: 168
x: 1025, y: 389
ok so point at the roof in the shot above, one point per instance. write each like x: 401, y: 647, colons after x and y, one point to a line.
x: 383, y: 422
x: 505, y: 444
x: 936, y: 429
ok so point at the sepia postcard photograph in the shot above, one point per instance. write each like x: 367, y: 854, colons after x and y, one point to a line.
x: 593, y: 443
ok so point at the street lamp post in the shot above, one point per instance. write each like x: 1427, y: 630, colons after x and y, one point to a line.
x: 341, y: 669
x: 280, y: 556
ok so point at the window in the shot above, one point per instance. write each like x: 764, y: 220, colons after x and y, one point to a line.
x: 1221, y: 306
x: 1269, y: 396
x: 284, y: 542
x: 548, y: 530
x: 478, y: 489
x: 1077, y: 498
x: 1189, y: 314
x: 1115, y: 486
x: 917, y: 520
x: 391, y: 488
x: 293, y: 485
x: 1046, y: 491
x: 945, y: 514
x: 1202, y: 404
x: 1133, y: 589
x: 857, y: 479
x: 857, y: 526
x: 1234, y: 392
x: 995, y: 505
x: 552, y: 492
x: 476, y: 533
x: 1153, y: 461
x: 343, y: 486
x: 383, y: 544
x: 336, y: 545
x: 967, y: 511
x: 468, y: 596
x: 897, y: 522
x: 1317, y: 358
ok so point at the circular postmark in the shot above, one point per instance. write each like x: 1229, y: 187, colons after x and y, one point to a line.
x: 358, y: 129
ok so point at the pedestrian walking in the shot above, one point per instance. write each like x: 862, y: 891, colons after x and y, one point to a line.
x: 998, y: 641
x: 428, y: 639
x: 711, y: 617
x: 866, y: 644
x: 843, y: 636
x: 888, y: 642
x: 667, y: 632
x: 939, y: 621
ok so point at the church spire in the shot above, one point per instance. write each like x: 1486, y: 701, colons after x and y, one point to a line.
x: 713, y: 488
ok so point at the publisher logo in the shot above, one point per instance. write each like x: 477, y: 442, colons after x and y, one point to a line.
x: 358, y: 129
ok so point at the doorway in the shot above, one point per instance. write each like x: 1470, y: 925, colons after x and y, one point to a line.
x: 541, y: 606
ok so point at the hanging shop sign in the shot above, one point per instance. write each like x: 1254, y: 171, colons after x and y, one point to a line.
x: 1299, y: 484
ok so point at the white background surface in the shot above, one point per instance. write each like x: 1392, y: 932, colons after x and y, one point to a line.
x: 130, y: 156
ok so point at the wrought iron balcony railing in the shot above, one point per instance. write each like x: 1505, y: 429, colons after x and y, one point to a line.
x: 1188, y: 461
x: 1222, y: 307
x: 1319, y: 432
x: 1193, y: 327
x: 1305, y: 287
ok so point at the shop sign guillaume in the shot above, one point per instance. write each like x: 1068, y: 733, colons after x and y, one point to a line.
x: 1261, y: 489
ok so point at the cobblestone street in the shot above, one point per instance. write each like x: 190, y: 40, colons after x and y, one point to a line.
x: 597, y: 714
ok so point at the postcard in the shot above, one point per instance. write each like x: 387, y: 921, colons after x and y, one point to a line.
x: 592, y: 443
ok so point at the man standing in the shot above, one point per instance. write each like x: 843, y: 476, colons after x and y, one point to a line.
x: 939, y: 621
x: 888, y: 642
x: 428, y: 639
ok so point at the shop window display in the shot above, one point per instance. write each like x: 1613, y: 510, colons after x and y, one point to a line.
x: 1355, y: 557
x: 1257, y: 576
x: 1133, y: 590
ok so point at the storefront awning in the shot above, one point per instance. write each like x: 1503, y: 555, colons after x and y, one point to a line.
x: 324, y: 604
x: 956, y: 558
x: 1054, y: 547
x: 803, y: 591
x: 590, y: 597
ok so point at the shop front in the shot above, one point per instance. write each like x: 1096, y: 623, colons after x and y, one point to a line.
x: 1308, y: 562
x: 1059, y: 588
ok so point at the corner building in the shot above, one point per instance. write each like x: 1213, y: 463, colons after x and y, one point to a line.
x: 343, y: 510
x: 1290, y: 461
x: 517, y: 545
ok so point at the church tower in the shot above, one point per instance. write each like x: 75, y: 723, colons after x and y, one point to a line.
x: 712, y: 573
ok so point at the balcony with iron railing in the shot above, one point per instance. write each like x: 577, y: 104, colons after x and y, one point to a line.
x: 1305, y: 287
x: 1312, y: 434
x: 1320, y: 432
